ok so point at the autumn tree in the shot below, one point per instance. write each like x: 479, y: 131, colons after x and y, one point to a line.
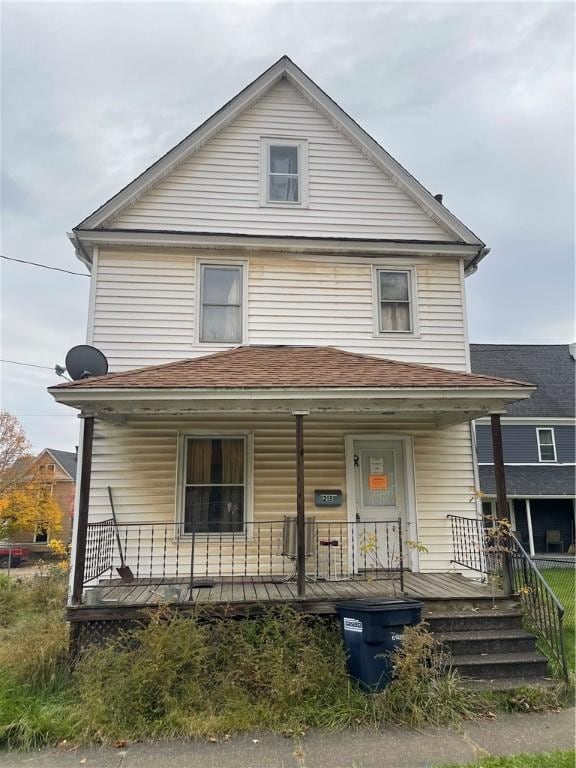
x: 26, y: 501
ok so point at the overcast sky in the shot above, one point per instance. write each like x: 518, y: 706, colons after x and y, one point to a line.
x: 475, y: 99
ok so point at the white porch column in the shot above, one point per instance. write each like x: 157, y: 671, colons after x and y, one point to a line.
x: 530, y: 532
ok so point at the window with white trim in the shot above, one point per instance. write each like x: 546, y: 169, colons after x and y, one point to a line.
x: 284, y: 172
x: 214, y: 485
x: 395, y: 305
x: 546, y: 445
x: 220, y: 299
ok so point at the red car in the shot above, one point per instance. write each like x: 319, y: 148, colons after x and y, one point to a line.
x: 13, y: 555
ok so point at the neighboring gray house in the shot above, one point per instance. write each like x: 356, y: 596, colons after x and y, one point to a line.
x: 539, y: 437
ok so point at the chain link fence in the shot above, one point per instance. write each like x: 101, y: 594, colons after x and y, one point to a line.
x: 560, y: 575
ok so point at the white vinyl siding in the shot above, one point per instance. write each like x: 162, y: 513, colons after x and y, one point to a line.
x: 144, y: 311
x: 219, y: 188
x: 139, y: 460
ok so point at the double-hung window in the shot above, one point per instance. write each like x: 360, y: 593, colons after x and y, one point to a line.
x: 283, y: 172
x: 546, y: 445
x: 214, y: 484
x: 395, y: 304
x: 221, y: 294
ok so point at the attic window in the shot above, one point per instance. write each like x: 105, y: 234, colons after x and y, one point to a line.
x: 283, y: 172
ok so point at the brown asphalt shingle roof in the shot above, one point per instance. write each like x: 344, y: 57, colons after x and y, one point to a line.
x: 284, y: 366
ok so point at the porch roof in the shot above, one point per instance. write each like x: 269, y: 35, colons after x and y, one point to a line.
x: 284, y: 379
x: 288, y: 367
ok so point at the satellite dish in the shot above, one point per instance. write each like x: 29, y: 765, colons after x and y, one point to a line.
x: 84, y: 361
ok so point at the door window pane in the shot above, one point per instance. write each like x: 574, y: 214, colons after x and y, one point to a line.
x: 378, y: 478
x: 221, y: 304
x: 214, y: 485
x: 395, y: 311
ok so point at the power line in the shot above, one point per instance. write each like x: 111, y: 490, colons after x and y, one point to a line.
x: 44, y: 266
x: 30, y: 365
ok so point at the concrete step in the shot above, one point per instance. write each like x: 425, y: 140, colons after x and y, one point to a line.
x: 501, y: 665
x: 468, y: 621
x: 511, y: 683
x: 488, y: 641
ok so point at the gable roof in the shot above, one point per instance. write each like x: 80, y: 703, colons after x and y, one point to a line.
x: 66, y: 460
x: 264, y: 367
x: 283, y: 68
x: 550, y: 366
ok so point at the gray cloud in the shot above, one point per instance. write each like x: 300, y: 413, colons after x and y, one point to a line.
x: 476, y: 100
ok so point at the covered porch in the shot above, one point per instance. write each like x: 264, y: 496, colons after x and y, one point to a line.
x: 341, y: 474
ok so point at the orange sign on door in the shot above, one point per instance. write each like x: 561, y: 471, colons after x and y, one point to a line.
x: 378, y: 482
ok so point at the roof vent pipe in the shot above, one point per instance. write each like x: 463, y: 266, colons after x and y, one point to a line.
x: 572, y: 348
x: 439, y: 197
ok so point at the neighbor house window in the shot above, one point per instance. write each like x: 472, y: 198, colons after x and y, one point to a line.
x: 546, y: 444
x: 214, y: 484
x: 41, y: 534
x: 284, y: 172
x: 221, y: 292
x: 395, y: 310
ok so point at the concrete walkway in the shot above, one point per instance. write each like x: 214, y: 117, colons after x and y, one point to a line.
x: 392, y: 748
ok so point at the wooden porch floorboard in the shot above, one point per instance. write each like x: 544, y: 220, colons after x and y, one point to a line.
x: 117, y: 599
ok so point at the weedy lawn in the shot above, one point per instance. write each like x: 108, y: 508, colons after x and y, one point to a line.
x: 195, y: 677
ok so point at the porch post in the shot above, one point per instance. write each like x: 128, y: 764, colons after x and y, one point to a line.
x: 501, y: 502
x: 300, y: 511
x: 530, y: 529
x: 83, y: 499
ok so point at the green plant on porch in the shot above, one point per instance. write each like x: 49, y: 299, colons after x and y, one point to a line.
x: 369, y: 548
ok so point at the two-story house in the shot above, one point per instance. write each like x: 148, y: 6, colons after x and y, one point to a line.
x: 282, y: 306
x: 539, y: 439
x: 55, y: 471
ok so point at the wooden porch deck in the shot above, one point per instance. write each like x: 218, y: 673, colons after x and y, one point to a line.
x: 114, y: 600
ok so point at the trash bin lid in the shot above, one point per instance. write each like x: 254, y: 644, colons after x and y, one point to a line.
x: 379, y: 604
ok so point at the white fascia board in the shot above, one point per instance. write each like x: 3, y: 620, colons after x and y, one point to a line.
x: 535, y: 421
x: 155, y: 239
x: 214, y: 124
x: 457, y: 394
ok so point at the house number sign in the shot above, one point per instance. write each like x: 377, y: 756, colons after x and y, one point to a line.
x: 328, y: 498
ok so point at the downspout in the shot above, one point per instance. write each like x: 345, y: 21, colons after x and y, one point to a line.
x: 473, y: 265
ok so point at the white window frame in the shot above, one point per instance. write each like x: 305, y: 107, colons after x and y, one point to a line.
x: 551, y: 430
x: 279, y: 141
x: 412, y: 298
x: 183, y: 438
x: 200, y: 264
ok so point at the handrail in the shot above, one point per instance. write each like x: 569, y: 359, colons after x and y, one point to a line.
x: 549, y: 627
x: 475, y: 548
x: 541, y: 579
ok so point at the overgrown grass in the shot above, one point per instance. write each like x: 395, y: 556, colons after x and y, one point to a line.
x: 190, y: 677
x: 544, y: 760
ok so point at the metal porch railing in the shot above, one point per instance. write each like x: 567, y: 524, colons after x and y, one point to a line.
x: 479, y: 546
x: 261, y: 551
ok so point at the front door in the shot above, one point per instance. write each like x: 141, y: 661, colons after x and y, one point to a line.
x: 379, y: 502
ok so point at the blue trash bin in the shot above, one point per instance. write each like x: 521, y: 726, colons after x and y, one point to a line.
x: 372, y: 629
